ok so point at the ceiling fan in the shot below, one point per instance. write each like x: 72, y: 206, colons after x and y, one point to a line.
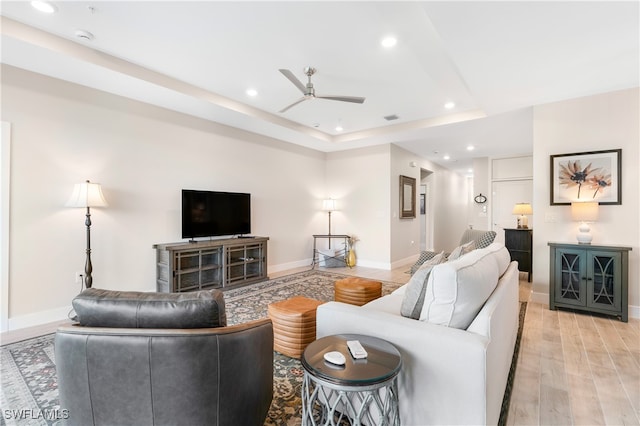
x: 309, y: 92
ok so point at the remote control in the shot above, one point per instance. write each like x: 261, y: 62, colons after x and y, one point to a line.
x: 356, y: 349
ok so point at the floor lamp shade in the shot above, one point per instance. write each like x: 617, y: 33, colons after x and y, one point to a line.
x: 87, y: 195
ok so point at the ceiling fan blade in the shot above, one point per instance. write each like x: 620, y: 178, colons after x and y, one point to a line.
x: 285, y: 109
x: 354, y: 99
x: 292, y: 78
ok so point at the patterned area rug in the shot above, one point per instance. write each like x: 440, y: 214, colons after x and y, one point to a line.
x: 29, y: 388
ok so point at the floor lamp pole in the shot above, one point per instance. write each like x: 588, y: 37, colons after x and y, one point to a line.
x: 329, y: 228
x: 88, y: 268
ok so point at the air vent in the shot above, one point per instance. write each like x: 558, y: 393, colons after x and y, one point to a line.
x: 85, y: 35
x: 391, y: 117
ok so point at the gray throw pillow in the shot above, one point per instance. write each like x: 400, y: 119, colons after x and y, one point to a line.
x: 417, y: 287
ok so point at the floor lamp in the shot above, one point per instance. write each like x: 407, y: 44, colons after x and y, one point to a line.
x: 87, y: 195
x: 329, y: 206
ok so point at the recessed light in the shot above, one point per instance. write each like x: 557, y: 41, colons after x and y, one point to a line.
x: 470, y: 148
x: 252, y: 92
x: 389, y: 41
x: 339, y: 128
x: 446, y: 157
x: 43, y: 6
x: 450, y: 105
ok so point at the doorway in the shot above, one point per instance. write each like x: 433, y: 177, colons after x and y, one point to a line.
x: 426, y: 210
x: 507, y: 194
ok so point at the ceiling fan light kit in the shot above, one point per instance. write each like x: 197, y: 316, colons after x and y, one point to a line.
x: 308, y: 91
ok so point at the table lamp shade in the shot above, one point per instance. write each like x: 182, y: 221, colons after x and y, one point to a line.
x: 522, y: 209
x: 584, y: 212
x: 87, y: 194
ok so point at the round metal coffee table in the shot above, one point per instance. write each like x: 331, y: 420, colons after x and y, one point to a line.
x: 363, y: 391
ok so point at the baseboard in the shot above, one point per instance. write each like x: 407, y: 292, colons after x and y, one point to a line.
x: 375, y: 265
x: 39, y: 318
x: 543, y: 299
x: 291, y: 265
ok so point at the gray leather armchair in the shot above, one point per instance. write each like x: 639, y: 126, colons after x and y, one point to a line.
x: 125, y: 364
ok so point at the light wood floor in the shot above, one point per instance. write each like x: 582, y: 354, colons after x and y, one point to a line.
x: 573, y: 368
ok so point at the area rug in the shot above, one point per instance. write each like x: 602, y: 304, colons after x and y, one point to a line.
x: 29, y: 387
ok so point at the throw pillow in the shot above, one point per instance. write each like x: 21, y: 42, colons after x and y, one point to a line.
x: 414, y: 295
x: 457, y: 290
x: 462, y: 250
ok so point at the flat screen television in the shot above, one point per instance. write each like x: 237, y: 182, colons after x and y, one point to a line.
x: 212, y: 214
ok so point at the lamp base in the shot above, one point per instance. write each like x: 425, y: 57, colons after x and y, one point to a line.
x: 523, y: 222
x: 584, y: 236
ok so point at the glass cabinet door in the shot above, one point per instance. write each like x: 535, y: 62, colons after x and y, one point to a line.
x: 571, y: 271
x: 603, y: 282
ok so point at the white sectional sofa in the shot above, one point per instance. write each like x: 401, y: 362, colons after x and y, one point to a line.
x: 453, y: 372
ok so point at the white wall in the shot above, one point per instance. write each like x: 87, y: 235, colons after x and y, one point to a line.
x: 595, y: 123
x: 143, y: 156
x: 480, y: 214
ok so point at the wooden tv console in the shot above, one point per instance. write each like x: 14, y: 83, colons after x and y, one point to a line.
x: 201, y: 265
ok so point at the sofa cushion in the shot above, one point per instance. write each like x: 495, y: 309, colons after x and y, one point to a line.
x: 461, y: 250
x: 501, y: 256
x: 416, y: 288
x: 131, y: 309
x: 456, y: 290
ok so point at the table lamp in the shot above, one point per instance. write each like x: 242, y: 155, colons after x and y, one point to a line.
x: 87, y: 195
x: 522, y: 209
x: 584, y: 212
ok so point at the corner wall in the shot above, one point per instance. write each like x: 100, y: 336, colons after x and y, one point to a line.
x: 595, y: 123
x: 359, y: 181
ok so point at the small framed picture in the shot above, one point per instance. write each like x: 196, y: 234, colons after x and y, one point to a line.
x: 586, y: 176
x: 407, y: 197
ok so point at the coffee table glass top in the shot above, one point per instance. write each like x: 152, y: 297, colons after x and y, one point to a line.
x: 382, y: 363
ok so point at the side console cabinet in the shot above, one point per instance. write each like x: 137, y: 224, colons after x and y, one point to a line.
x: 589, y: 278
x: 519, y: 242
x: 203, y: 265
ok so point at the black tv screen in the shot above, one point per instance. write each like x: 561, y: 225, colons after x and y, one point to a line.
x: 211, y: 213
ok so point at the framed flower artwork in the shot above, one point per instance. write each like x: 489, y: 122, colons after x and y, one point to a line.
x: 586, y: 176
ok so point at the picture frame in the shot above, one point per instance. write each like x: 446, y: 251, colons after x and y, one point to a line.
x: 407, y: 197
x: 586, y: 176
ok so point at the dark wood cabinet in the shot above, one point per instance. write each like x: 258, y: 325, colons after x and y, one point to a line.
x: 589, y: 278
x: 203, y: 265
x: 519, y: 242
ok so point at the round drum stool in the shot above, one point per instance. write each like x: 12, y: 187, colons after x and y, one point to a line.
x: 294, y: 324
x: 357, y: 291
